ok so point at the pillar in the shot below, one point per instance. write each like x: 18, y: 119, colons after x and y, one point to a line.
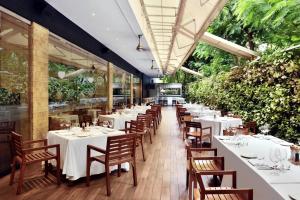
x: 131, y: 88
x: 38, y: 81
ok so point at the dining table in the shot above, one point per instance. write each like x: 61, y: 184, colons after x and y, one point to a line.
x: 218, y: 124
x: 251, y: 157
x: 73, y: 149
x: 119, y: 118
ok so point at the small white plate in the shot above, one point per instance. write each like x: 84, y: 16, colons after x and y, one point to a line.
x: 249, y: 155
x: 295, y: 196
x: 83, y: 135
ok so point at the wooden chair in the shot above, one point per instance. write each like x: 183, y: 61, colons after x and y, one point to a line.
x: 85, y: 119
x: 154, y: 115
x: 146, y: 119
x: 159, y: 110
x: 29, y: 155
x: 119, y: 149
x: 200, y: 159
x: 137, y: 128
x: 55, y: 124
x: 212, y: 193
x: 252, y: 125
x: 183, y: 120
x: 197, y: 133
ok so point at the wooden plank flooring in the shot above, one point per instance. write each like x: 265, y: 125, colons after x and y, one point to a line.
x: 162, y: 176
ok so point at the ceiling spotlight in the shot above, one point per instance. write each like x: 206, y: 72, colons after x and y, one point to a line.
x: 152, y: 66
x: 139, y: 47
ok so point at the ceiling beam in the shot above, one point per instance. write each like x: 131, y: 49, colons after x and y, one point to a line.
x: 190, y: 71
x: 228, y: 46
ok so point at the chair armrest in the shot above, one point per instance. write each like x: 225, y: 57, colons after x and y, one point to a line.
x: 217, y: 172
x: 98, y: 149
x: 229, y: 191
x: 35, y: 141
x: 28, y: 150
x: 204, y: 149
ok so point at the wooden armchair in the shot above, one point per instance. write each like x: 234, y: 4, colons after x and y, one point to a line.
x: 85, y: 119
x: 197, y: 133
x: 28, y: 155
x: 158, y: 107
x: 209, y: 193
x: 183, y: 120
x: 137, y: 128
x: 154, y: 115
x: 146, y: 119
x: 119, y: 149
x: 252, y: 125
x: 200, y: 160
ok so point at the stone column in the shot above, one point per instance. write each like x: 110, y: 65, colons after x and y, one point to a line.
x: 38, y: 81
x: 131, y: 89
x: 110, y: 73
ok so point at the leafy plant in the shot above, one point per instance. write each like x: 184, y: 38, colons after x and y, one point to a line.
x: 266, y: 91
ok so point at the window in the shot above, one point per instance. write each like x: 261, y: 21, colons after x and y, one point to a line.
x: 14, y: 74
x: 77, y: 81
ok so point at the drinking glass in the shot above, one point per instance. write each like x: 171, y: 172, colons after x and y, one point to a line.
x: 274, y: 157
x: 95, y: 122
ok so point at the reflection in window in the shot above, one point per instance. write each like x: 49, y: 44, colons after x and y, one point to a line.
x: 77, y: 83
x: 136, y: 90
x: 13, y: 84
x: 14, y: 73
x: 121, y: 88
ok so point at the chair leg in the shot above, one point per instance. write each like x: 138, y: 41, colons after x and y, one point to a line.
x: 142, y: 145
x: 108, y: 189
x: 88, y: 169
x: 191, y: 179
x: 149, y: 132
x: 13, y: 171
x: 119, y: 170
x: 134, y: 173
x: 46, y: 168
x: 21, y: 179
x: 58, y: 170
x: 187, y: 179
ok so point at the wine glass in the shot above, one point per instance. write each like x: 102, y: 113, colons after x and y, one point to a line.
x: 274, y: 158
x: 95, y: 122
x: 282, y: 157
x: 62, y: 125
x: 110, y: 123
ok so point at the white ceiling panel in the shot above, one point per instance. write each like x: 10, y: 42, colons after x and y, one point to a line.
x: 112, y: 23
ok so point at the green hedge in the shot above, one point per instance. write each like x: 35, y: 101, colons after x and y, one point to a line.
x: 267, y: 91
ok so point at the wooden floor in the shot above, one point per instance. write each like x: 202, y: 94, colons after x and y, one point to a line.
x: 162, y: 176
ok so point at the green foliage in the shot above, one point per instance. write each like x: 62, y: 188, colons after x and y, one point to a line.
x: 267, y: 91
x: 278, y: 21
x: 69, y: 89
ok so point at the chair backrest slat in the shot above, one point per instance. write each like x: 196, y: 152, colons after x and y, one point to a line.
x: 120, y: 147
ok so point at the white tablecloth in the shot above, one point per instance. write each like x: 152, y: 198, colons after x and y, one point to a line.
x: 265, y: 183
x: 219, y: 124
x: 73, y: 150
x: 127, y: 115
x: 118, y: 120
x: 204, y: 112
